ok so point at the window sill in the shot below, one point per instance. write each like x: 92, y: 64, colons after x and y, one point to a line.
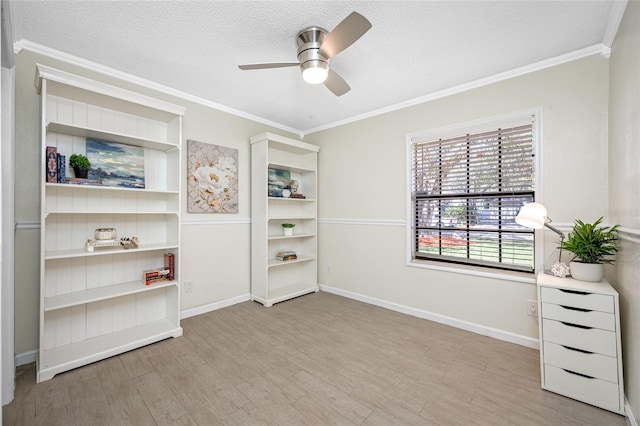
x: 522, y: 277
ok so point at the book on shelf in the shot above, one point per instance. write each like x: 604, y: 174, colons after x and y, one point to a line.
x: 155, y: 275
x: 62, y: 168
x: 170, y: 264
x: 286, y: 255
x: 156, y: 280
x: 81, y: 181
x: 52, y: 164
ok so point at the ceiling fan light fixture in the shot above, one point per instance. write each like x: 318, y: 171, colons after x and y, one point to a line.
x: 315, y: 72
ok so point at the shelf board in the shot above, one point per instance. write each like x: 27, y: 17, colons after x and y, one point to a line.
x: 87, y: 132
x: 291, y: 168
x: 48, y: 212
x: 291, y: 218
x: 63, y: 358
x: 284, y: 237
x: 109, y: 188
x: 281, y: 294
x: 296, y: 200
x: 274, y: 262
x: 101, y: 293
x: 65, y: 254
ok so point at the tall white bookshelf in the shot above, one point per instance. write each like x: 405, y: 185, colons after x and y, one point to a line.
x: 273, y: 280
x: 95, y: 304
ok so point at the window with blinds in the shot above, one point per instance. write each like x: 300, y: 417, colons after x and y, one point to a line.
x: 466, y: 192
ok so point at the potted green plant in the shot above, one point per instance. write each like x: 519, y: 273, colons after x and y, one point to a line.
x: 288, y: 228
x: 80, y: 165
x: 592, y: 245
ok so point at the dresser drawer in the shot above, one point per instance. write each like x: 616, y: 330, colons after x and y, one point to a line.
x: 594, y: 365
x: 588, y: 339
x: 592, y: 391
x: 595, y: 302
x: 597, y: 319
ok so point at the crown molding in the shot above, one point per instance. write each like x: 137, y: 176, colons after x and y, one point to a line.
x: 112, y: 72
x: 615, y: 18
x: 516, y: 72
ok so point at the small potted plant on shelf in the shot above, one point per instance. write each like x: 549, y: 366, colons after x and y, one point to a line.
x: 288, y: 228
x: 591, y: 245
x: 80, y: 165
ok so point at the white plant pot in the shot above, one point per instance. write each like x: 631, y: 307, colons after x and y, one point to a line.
x: 592, y: 272
x: 288, y: 231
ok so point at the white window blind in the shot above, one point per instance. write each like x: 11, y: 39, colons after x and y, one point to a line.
x: 466, y: 192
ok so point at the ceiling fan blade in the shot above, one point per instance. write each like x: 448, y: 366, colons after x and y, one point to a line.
x: 344, y: 34
x: 266, y: 66
x: 336, y: 84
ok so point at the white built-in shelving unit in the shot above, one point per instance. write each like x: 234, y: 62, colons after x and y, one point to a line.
x: 94, y: 305
x: 272, y: 280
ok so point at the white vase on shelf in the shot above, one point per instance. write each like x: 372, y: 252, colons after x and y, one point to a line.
x: 592, y: 272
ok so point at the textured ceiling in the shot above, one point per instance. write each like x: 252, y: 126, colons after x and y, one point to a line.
x: 414, y: 49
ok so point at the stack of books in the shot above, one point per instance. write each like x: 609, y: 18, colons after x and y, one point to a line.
x: 155, y: 275
x: 162, y: 274
x: 56, y: 165
x: 286, y: 255
x: 82, y: 181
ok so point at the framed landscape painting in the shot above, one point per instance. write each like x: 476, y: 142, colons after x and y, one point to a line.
x: 277, y: 181
x: 116, y: 164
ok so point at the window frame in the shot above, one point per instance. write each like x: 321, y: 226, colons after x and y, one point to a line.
x: 473, y: 127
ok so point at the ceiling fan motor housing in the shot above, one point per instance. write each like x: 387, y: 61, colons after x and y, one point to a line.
x: 309, y: 42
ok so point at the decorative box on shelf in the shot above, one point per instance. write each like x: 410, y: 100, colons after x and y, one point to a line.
x: 580, y: 341
x: 126, y: 243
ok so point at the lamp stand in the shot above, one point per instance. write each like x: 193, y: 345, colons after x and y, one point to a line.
x: 559, y: 232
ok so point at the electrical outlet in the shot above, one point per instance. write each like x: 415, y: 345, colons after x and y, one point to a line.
x: 532, y: 308
x: 188, y: 286
x: 329, y: 269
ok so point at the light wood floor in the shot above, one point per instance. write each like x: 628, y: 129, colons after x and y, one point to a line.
x: 319, y: 359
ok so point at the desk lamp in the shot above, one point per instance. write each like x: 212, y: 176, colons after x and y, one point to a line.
x: 534, y: 215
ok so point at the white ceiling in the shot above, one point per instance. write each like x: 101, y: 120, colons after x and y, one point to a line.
x: 414, y: 49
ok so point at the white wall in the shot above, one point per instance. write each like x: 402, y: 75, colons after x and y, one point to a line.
x: 624, y: 199
x: 362, y: 205
x: 215, y: 247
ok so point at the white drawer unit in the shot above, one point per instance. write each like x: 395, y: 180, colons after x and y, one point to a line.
x: 580, y: 341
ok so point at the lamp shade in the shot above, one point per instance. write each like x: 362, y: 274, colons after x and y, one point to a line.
x: 315, y: 72
x: 532, y: 215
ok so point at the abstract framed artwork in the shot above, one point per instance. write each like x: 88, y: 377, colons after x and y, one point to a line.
x: 212, y: 181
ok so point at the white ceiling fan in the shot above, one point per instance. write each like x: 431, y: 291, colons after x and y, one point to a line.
x: 316, y: 47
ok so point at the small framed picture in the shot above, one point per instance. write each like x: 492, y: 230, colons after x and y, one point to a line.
x: 278, y: 181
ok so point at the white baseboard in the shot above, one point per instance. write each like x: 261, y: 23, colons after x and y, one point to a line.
x: 453, y: 322
x: 631, y: 420
x: 26, y: 358
x: 191, y: 312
